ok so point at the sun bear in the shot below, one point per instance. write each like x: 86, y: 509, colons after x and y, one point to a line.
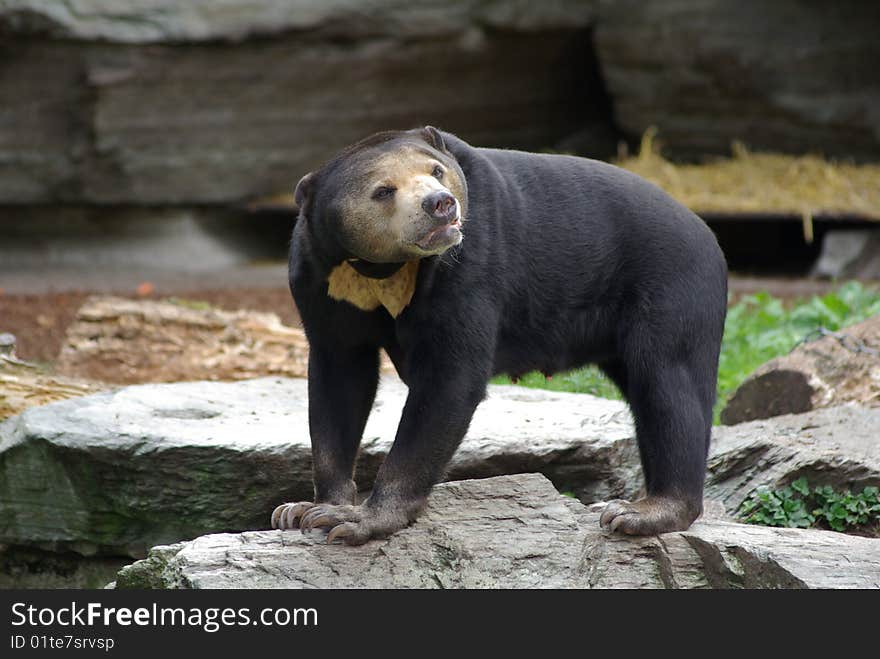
x: 465, y: 262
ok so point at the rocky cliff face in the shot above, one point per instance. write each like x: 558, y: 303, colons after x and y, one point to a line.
x: 217, y: 102
x: 160, y: 102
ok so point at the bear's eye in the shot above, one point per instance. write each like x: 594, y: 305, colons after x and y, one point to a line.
x: 437, y: 173
x: 383, y: 192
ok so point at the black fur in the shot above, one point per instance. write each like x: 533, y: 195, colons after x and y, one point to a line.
x: 565, y: 261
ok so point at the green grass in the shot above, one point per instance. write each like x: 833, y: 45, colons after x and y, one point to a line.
x: 589, y: 380
x: 758, y: 328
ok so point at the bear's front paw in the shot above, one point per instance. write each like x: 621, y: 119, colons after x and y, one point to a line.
x: 354, y: 525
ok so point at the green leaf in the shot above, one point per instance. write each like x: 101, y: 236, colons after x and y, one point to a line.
x: 800, y: 486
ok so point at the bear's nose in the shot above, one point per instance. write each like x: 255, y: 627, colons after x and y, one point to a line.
x: 440, y: 205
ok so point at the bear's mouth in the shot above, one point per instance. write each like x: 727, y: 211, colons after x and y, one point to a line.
x: 445, y: 235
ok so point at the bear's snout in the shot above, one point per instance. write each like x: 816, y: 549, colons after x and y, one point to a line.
x: 440, y: 205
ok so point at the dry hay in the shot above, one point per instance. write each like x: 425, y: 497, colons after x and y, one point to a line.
x: 24, y: 385
x: 763, y: 183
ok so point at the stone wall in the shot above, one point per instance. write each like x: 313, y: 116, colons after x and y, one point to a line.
x: 790, y: 75
x: 216, y: 102
x: 160, y: 102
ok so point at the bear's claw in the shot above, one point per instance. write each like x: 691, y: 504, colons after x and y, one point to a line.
x: 324, y: 515
x: 286, y: 515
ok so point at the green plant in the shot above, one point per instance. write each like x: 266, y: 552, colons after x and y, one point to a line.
x: 847, y: 510
x: 783, y: 507
x: 798, y: 506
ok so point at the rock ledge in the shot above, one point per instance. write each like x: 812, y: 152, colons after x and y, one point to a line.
x: 516, y: 532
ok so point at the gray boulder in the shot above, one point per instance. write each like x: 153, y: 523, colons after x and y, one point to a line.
x: 841, y: 367
x: 119, y: 472
x: 784, y: 75
x: 164, y: 102
x: 835, y: 446
x: 516, y: 532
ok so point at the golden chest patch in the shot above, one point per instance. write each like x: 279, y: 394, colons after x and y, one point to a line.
x: 393, y: 293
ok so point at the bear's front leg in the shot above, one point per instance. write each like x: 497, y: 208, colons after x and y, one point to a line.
x: 342, y: 386
x: 444, y: 391
x: 435, y: 419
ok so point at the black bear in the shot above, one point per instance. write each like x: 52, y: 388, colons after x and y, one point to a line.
x: 465, y: 262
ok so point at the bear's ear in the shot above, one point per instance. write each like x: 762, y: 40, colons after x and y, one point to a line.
x: 303, y: 192
x: 434, y: 138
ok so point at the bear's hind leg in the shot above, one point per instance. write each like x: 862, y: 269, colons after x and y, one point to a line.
x: 672, y: 407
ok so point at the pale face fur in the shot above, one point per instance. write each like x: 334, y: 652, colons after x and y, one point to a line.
x: 381, y: 213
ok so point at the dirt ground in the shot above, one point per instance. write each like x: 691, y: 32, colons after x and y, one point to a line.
x: 39, y: 321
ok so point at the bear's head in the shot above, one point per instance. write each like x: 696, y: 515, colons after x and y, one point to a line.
x: 394, y: 197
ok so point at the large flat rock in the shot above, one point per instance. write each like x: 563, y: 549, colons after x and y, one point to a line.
x: 119, y: 472
x: 837, y: 446
x: 516, y: 532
